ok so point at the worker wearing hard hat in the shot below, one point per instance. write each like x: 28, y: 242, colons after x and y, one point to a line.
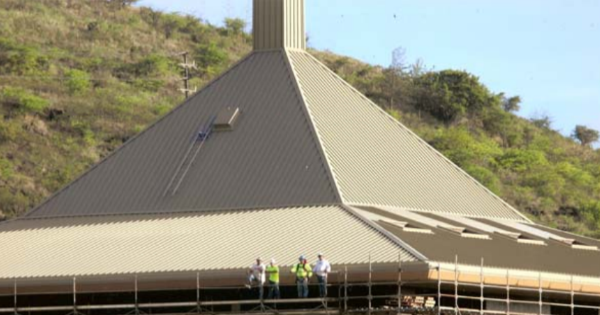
x: 256, y: 274
x: 322, y: 268
x: 273, y: 271
x: 303, y: 272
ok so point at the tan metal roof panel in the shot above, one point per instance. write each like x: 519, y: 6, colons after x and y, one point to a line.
x: 270, y: 158
x: 377, y: 161
x: 166, y: 243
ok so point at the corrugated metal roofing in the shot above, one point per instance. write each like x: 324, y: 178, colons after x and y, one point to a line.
x: 169, y: 243
x: 497, y: 251
x: 376, y: 160
x: 270, y: 159
x: 279, y: 24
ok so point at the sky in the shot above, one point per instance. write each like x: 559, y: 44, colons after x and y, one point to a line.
x: 545, y: 51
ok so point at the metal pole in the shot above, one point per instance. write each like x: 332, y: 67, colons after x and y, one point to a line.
x: 15, y: 297
x: 456, y: 284
x: 187, y: 76
x: 370, y: 297
x: 399, y: 283
x: 198, y: 292
x: 481, y: 287
x: 137, y: 311
x: 572, y: 297
x: 74, y: 295
x: 345, y: 289
x: 540, y: 283
x: 507, y: 292
x: 439, y: 275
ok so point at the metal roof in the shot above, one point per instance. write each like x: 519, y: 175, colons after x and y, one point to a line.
x: 497, y: 251
x: 378, y: 161
x: 188, y: 242
x: 303, y: 137
x: 270, y: 159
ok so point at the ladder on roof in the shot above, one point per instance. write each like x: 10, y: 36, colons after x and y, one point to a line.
x: 190, y: 156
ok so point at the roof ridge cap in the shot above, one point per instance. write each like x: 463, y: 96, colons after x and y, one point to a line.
x: 312, y: 126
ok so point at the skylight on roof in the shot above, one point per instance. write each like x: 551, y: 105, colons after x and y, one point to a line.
x: 462, y: 231
x: 465, y: 232
x: 573, y: 243
x: 519, y: 237
x: 407, y: 227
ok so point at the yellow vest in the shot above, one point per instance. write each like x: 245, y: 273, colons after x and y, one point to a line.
x: 302, y: 271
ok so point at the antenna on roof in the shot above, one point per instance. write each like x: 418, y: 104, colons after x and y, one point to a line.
x: 186, y: 70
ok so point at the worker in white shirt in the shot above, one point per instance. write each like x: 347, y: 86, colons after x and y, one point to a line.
x: 256, y: 274
x: 321, y: 269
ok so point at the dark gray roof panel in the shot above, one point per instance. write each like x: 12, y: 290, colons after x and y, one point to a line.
x: 270, y: 159
x: 500, y: 252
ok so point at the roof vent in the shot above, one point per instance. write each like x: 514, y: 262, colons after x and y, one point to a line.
x: 226, y: 119
x: 279, y: 24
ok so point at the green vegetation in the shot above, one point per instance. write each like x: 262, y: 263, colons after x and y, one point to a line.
x: 551, y: 178
x: 78, y: 78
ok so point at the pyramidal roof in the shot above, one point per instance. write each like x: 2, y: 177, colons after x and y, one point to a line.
x: 303, y: 137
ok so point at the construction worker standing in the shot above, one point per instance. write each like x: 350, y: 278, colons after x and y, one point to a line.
x: 322, y: 268
x: 256, y: 274
x: 303, y: 272
x: 273, y: 271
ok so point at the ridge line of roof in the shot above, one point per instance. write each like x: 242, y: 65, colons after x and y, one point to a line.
x: 176, y: 213
x: 133, y: 138
x: 133, y: 217
x: 398, y: 123
x: 313, y: 128
x: 396, y: 240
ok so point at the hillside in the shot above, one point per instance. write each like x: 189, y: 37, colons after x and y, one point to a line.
x: 78, y: 78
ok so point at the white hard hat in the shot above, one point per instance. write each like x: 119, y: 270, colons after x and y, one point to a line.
x: 273, y: 260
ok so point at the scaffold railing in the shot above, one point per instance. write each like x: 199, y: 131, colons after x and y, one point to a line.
x: 439, y: 296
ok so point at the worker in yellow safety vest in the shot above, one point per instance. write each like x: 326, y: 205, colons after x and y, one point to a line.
x: 303, y: 272
x: 273, y: 272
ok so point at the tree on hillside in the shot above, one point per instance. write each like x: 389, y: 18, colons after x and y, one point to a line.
x: 235, y: 26
x: 586, y: 136
x: 450, y: 94
x: 542, y: 120
x: 511, y: 104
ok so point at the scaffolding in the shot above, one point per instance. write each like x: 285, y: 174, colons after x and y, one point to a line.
x: 398, y: 296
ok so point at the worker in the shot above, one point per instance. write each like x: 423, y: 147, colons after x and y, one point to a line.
x: 303, y: 273
x: 256, y: 274
x: 273, y: 271
x: 322, y: 268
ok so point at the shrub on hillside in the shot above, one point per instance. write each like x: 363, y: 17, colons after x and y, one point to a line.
x: 22, y: 101
x: 210, y: 58
x: 77, y: 81
x: 19, y: 59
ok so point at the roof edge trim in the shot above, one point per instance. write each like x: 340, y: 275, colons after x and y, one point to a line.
x: 456, y: 167
x: 386, y: 233
x: 513, y: 273
x: 313, y: 128
x: 135, y: 137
